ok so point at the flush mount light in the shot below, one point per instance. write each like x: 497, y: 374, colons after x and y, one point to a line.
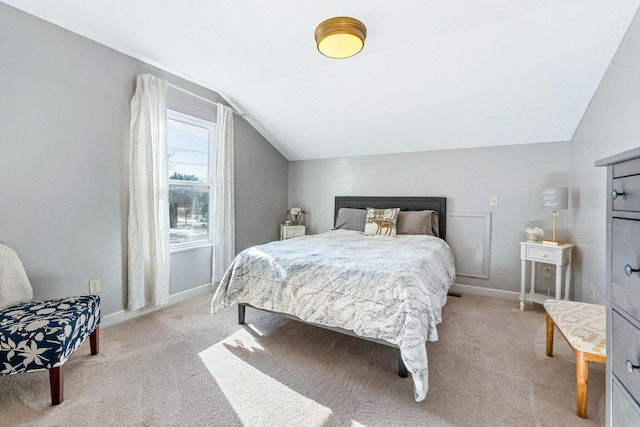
x: 340, y: 37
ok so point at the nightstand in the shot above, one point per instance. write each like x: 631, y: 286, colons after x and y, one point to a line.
x: 560, y: 256
x: 290, y: 231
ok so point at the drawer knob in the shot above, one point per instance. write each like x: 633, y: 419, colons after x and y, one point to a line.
x: 630, y: 366
x: 628, y: 270
x: 615, y: 194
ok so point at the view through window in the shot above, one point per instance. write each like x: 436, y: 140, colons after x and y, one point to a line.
x: 189, y: 144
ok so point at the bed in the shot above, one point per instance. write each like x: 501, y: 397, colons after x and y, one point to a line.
x: 389, y: 290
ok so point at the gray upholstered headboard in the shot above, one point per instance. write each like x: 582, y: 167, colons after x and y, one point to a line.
x: 438, y: 204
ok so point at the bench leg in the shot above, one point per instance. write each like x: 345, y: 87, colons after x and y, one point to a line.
x: 56, y: 380
x: 582, y: 374
x: 550, y: 327
x: 94, y: 340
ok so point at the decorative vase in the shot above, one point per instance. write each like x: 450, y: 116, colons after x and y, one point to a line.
x: 296, y: 215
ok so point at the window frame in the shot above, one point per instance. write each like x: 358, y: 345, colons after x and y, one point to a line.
x: 194, y: 121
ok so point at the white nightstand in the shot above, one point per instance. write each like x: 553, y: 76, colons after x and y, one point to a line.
x: 560, y: 256
x: 290, y: 231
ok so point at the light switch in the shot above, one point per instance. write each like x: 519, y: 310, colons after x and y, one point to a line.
x: 493, y: 200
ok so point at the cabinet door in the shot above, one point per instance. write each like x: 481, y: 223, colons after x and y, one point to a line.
x: 625, y: 250
x: 625, y: 410
x: 625, y: 344
x: 630, y: 200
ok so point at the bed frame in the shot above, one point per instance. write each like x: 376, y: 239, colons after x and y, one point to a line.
x: 438, y: 204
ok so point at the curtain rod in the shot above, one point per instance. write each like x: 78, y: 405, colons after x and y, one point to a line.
x: 203, y: 98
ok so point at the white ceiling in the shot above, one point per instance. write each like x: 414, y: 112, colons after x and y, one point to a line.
x: 433, y: 74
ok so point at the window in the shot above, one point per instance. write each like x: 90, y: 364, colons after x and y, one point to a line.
x: 189, y: 148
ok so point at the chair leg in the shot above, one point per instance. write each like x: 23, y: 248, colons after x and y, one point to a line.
x: 582, y: 375
x: 94, y: 340
x: 550, y: 327
x: 56, y: 380
x: 56, y: 375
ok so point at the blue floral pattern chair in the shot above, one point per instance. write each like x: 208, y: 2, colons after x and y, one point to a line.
x: 42, y: 335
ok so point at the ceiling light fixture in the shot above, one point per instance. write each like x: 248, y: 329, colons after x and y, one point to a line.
x: 340, y: 37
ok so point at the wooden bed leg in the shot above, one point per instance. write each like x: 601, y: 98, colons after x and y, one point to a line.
x: 94, y: 340
x: 241, y: 311
x: 582, y: 375
x: 56, y: 380
x: 550, y: 327
x: 402, y: 369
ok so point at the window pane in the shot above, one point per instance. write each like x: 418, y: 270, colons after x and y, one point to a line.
x: 188, y: 151
x: 188, y: 213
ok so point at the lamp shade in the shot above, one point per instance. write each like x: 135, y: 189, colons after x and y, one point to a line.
x: 340, y: 37
x: 556, y: 197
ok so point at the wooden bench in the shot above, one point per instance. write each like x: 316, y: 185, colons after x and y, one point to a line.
x: 583, y: 326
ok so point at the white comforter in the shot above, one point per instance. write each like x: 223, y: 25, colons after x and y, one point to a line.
x: 389, y: 288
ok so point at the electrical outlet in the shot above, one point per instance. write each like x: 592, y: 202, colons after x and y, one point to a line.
x: 546, y: 271
x: 94, y: 286
x: 592, y: 292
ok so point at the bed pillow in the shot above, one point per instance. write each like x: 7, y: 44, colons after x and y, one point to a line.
x: 418, y: 222
x: 351, y: 219
x: 381, y: 222
x: 435, y: 224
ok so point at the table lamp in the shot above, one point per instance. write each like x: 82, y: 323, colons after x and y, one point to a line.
x: 555, y: 198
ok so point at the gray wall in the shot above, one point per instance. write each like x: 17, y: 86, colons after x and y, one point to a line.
x: 610, y: 125
x: 64, y: 120
x: 64, y: 126
x: 517, y: 174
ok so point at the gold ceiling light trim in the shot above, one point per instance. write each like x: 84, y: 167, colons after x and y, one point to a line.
x: 340, y: 37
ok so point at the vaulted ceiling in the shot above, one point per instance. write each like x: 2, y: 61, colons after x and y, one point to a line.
x: 433, y: 74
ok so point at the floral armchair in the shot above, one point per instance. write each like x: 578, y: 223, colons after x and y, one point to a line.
x: 41, y: 335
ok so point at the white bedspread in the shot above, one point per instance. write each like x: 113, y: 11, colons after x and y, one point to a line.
x: 389, y: 288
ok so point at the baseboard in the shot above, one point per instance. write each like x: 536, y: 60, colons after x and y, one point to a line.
x: 486, y: 292
x: 122, y: 315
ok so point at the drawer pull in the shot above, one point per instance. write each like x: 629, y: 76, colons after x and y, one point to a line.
x: 615, y: 194
x: 630, y: 366
x: 628, y: 270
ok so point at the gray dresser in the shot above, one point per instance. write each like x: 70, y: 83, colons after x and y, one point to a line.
x: 623, y: 288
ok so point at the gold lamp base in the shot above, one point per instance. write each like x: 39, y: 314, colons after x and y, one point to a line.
x: 553, y: 242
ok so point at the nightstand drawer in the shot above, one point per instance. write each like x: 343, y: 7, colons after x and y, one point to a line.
x: 625, y: 251
x: 540, y: 253
x: 295, y: 232
x: 625, y: 345
x: 291, y: 231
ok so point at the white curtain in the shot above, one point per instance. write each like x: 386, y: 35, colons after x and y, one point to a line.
x: 223, y: 220
x: 148, y: 238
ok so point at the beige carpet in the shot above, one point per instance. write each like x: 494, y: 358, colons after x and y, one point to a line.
x: 181, y: 367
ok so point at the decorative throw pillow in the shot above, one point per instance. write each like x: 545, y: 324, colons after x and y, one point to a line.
x: 351, y: 219
x: 381, y: 222
x: 14, y: 285
x: 418, y: 222
x: 435, y: 224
